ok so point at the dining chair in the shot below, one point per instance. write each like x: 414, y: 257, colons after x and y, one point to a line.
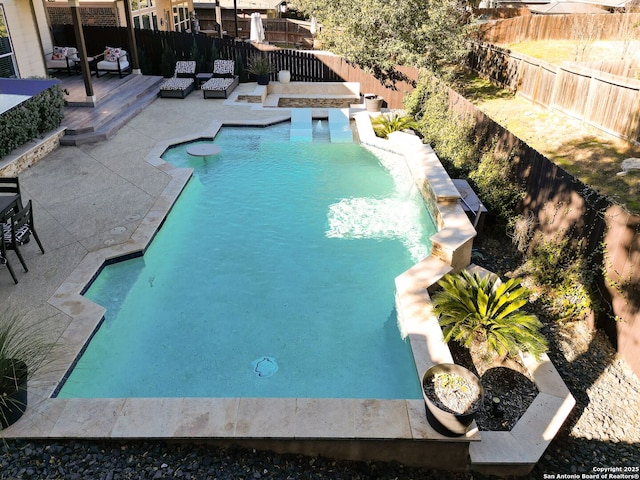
x: 18, y: 231
x: 4, y: 260
x: 10, y: 187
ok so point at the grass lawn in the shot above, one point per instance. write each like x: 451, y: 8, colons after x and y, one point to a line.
x: 586, y: 152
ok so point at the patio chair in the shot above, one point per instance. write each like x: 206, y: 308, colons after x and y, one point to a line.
x: 115, y: 60
x: 18, y: 231
x: 63, y: 58
x: 223, y: 82
x: 183, y: 81
x: 4, y: 260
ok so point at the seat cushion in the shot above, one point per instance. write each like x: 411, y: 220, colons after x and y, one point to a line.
x: 185, y: 68
x: 113, y: 66
x: 217, y: 84
x: 221, y: 67
x: 22, y: 235
x: 176, y: 84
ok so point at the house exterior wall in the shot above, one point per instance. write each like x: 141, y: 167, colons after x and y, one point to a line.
x: 104, y: 14
x: 22, y: 22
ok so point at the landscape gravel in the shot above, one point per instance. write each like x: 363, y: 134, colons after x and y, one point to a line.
x: 603, y: 431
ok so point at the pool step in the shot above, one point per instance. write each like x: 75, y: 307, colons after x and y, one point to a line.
x: 339, y: 127
x: 301, y: 128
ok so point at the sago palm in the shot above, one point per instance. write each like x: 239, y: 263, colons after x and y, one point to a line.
x: 475, y: 310
x: 388, y: 123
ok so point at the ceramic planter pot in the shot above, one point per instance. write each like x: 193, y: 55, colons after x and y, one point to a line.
x: 373, y: 103
x: 443, y: 420
x: 262, y: 79
x: 284, y: 76
x: 14, y: 397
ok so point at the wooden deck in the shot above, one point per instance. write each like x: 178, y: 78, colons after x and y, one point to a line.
x: 117, y: 101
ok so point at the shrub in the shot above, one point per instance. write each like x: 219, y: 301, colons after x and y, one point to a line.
x: 24, y: 122
x: 388, y: 123
x: 476, y: 310
x: 499, y: 191
x: 563, y: 270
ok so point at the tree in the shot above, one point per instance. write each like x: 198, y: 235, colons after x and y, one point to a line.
x: 378, y: 35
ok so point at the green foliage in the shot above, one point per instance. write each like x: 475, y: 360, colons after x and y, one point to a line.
x: 380, y: 34
x: 451, y: 136
x: 482, y: 310
x: 259, y: 65
x: 24, y: 122
x: 500, y: 192
x: 567, y: 275
x: 388, y: 123
x: 24, y: 340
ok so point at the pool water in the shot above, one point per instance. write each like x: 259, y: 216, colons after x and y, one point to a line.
x: 272, y: 276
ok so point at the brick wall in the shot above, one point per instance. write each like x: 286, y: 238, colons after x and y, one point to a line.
x: 105, y: 16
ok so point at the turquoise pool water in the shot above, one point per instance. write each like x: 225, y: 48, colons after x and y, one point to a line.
x: 273, y: 276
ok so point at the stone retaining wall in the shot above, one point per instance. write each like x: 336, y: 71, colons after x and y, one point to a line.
x: 30, y: 153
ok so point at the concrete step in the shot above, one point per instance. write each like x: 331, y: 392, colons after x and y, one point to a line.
x: 88, y: 125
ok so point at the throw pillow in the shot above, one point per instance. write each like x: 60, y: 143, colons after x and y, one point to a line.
x: 59, y: 53
x: 112, y: 54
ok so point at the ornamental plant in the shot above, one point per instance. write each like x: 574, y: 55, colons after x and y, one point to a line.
x: 485, y: 313
x: 388, y: 123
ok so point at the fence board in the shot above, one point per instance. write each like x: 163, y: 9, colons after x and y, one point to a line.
x: 609, y: 102
x: 565, y: 207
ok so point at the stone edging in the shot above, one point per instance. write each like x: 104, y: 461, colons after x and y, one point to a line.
x: 497, y: 453
x: 30, y: 153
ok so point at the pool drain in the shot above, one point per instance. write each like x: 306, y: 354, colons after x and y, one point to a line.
x: 264, y: 367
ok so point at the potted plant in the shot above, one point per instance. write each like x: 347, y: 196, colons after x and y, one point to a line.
x: 484, y: 315
x: 373, y: 103
x: 23, y: 351
x: 452, y: 395
x: 260, y: 67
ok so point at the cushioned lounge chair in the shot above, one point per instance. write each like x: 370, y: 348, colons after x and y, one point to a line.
x: 223, y: 82
x: 182, y: 83
x: 62, y: 58
x: 114, y: 60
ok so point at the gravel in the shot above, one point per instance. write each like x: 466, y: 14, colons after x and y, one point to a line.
x: 603, y: 431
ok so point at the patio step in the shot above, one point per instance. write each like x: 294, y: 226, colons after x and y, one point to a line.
x: 88, y: 125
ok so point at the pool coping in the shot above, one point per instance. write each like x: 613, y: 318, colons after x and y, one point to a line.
x: 311, y: 423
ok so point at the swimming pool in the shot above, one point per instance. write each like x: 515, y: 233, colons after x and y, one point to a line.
x: 271, y: 277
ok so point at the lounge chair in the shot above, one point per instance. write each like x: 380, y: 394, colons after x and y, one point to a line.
x: 223, y: 82
x: 114, y: 60
x: 63, y: 58
x: 182, y: 83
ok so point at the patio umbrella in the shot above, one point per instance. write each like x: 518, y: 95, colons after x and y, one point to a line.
x: 257, y: 30
x: 313, y: 28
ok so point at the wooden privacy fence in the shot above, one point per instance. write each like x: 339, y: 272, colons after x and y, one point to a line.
x: 158, y: 52
x: 562, y: 207
x: 609, y: 102
x: 585, y: 27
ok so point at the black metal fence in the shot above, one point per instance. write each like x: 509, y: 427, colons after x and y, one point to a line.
x: 158, y: 52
